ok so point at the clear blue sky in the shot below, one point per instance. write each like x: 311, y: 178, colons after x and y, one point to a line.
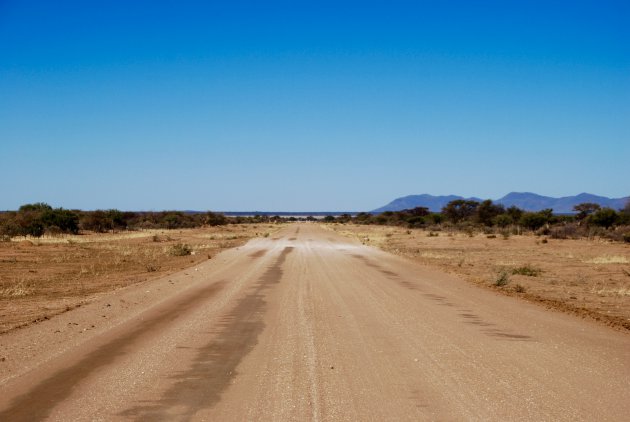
x: 314, y: 105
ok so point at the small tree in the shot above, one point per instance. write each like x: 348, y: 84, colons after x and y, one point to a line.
x: 503, y: 220
x: 363, y: 218
x: 534, y: 220
x: 585, y: 209
x: 35, y: 207
x: 514, y: 212
x: 117, y: 219
x: 436, y: 218
x: 96, y: 221
x: 605, y: 217
x: 417, y: 211
x: 30, y: 223
x: 173, y: 220
x: 460, y: 209
x: 215, y: 219
x: 65, y: 221
x: 487, y: 211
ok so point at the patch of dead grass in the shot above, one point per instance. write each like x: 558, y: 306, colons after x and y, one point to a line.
x: 607, y: 259
x: 52, y: 275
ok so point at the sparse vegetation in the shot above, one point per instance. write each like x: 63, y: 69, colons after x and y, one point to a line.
x: 502, y: 280
x: 151, y: 268
x: 40, y: 219
x: 180, y: 249
x: 608, y: 259
x: 43, y: 276
x: 527, y: 270
x: 519, y: 288
x: 605, y: 217
x: 472, y: 217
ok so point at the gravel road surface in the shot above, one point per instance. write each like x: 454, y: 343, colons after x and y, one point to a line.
x: 308, y: 325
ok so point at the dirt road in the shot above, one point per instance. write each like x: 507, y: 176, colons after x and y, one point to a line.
x: 308, y: 325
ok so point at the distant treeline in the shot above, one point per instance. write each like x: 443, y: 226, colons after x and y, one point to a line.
x: 40, y: 218
x: 590, y: 219
x: 467, y: 215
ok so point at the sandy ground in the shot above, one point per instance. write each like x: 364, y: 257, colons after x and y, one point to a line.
x: 309, y: 325
x: 43, y: 277
x: 590, y: 278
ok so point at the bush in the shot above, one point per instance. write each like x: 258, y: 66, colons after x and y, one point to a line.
x: 60, y: 220
x: 502, y: 280
x: 487, y: 212
x: 534, y: 220
x: 527, y: 270
x: 181, y: 249
x: 503, y: 220
x: 216, y: 219
x: 30, y: 223
x: 568, y: 231
x: 605, y: 217
x: 585, y: 209
x: 96, y: 221
x: 460, y: 209
x: 9, y: 229
x: 415, y: 221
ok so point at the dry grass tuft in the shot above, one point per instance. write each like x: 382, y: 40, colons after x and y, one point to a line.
x: 20, y: 288
x: 608, y: 259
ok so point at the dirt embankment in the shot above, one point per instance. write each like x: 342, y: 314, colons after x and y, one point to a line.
x: 43, y: 277
x: 590, y: 278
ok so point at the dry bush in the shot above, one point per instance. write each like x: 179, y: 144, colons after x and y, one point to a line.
x: 502, y: 280
x: 527, y: 270
x: 180, y: 249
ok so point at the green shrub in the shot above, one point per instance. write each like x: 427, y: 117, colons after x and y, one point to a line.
x: 215, y: 219
x: 534, y: 220
x: 503, y: 220
x: 460, y: 209
x: 605, y: 217
x: 487, y: 212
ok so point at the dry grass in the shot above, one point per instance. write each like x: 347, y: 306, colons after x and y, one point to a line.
x: 46, y: 276
x: 585, y: 277
x: 16, y: 289
x: 608, y: 259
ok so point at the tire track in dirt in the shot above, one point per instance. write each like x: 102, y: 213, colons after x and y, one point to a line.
x: 59, y: 386
x: 200, y: 386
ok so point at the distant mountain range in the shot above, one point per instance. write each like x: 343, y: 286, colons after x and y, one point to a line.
x: 524, y: 200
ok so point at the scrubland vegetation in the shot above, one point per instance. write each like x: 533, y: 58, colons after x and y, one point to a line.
x: 472, y: 217
x: 40, y: 219
x: 52, y: 260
